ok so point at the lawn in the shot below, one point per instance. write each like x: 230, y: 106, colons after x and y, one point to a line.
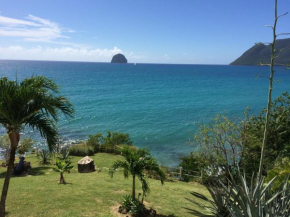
x: 92, y: 194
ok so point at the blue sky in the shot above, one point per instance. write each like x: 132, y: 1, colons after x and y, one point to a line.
x: 151, y: 31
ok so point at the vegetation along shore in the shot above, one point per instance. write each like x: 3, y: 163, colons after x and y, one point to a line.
x: 237, y: 166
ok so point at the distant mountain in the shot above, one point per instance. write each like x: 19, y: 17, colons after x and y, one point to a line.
x: 119, y: 58
x: 261, y: 53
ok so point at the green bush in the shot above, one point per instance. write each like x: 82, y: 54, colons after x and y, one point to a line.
x: 135, y: 207
x: 44, y: 156
x: 127, y: 202
x: 5, y: 146
x: 138, y: 209
x: 95, y: 141
x: 81, y: 150
x: 25, y: 145
x: 114, y: 139
x: 278, y: 138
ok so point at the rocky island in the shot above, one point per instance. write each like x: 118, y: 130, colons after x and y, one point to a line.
x: 119, y: 58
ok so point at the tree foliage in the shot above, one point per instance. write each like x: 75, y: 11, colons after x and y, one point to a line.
x: 218, y: 147
x: 62, y: 166
x: 113, y: 139
x: 25, y: 145
x: 278, y: 144
x: 36, y: 103
x: 5, y: 146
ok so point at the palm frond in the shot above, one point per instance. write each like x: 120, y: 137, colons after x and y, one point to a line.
x: 144, y: 183
x: 120, y: 164
x: 45, y: 126
x: 34, y: 102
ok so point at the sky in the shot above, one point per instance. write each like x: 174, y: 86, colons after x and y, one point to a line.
x: 151, y: 31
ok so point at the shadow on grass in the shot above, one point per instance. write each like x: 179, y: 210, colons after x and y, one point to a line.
x: 197, y: 213
x: 160, y: 215
x: 37, y: 171
x: 201, y: 205
x: 67, y: 183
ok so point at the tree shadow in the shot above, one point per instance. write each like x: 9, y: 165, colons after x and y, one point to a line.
x: 66, y: 183
x: 161, y: 215
x: 36, y: 171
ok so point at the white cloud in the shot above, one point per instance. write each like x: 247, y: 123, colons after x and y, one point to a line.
x: 166, y: 56
x: 60, y: 54
x: 32, y: 29
x: 136, y: 57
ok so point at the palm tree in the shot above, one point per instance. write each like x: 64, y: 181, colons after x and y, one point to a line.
x: 138, y: 163
x: 35, y: 102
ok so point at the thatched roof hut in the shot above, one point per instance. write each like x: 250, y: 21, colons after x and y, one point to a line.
x: 86, y: 165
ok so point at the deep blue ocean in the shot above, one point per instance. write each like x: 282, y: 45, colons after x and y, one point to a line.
x: 160, y: 106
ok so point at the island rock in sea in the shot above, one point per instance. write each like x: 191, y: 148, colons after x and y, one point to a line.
x: 119, y: 58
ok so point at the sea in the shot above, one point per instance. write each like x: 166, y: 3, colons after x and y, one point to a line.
x: 161, y: 106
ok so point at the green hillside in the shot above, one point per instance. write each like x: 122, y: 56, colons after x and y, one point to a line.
x: 92, y: 194
x: 261, y: 54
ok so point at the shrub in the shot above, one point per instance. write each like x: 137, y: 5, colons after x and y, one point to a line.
x: 138, y: 209
x: 64, y: 155
x: 281, y: 171
x: 127, y: 202
x: 135, y: 207
x: 114, y: 139
x: 278, y: 137
x: 81, y: 150
x: 25, y: 145
x: 44, y: 156
x: 5, y: 145
x: 95, y: 141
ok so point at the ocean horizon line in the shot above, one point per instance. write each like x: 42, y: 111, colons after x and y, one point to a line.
x: 130, y: 63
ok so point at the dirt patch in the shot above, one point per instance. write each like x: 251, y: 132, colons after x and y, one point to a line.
x: 98, y: 200
x: 115, y: 211
x: 120, y: 191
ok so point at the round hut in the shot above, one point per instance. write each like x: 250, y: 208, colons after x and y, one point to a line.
x: 86, y: 165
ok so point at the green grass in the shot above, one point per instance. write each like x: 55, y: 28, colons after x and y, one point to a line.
x: 91, y: 194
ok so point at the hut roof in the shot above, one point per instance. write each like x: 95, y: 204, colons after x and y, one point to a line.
x: 85, y: 160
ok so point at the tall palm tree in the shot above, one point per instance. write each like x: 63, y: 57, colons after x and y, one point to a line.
x: 138, y: 163
x: 35, y: 102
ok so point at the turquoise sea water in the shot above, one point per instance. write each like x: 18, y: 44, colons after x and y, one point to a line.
x: 160, y: 106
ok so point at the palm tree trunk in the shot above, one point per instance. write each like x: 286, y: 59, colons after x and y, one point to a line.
x: 133, y: 190
x: 61, y: 181
x: 14, y: 139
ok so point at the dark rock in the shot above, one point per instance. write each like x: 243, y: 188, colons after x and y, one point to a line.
x: 119, y: 58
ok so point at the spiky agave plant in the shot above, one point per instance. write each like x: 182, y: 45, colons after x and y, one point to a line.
x: 44, y: 156
x: 257, y: 199
x: 217, y: 204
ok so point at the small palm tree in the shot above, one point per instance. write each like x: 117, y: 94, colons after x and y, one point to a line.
x: 61, y: 167
x: 137, y: 163
x: 35, y: 102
